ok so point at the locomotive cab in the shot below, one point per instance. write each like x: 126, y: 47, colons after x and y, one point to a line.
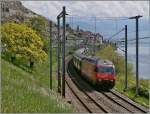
x: 105, y: 74
x: 95, y: 70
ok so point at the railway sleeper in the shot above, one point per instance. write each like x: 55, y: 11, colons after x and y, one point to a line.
x: 83, y: 98
x: 142, y: 108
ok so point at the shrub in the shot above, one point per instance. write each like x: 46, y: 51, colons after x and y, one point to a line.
x: 110, y: 54
x: 39, y: 25
x: 21, y: 41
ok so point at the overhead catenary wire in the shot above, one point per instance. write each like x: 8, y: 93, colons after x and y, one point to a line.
x: 132, y: 32
x: 110, y: 38
x: 79, y: 18
x: 140, y: 43
x: 99, y: 17
x: 121, y: 40
x: 82, y: 23
x: 129, y: 37
x: 75, y: 18
x: 141, y: 38
x: 120, y: 49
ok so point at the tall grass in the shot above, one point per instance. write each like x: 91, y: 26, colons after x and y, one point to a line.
x: 24, y: 91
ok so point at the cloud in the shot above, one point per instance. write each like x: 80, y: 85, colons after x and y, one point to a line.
x: 51, y: 9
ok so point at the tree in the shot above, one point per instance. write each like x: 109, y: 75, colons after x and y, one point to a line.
x: 39, y: 25
x: 110, y: 54
x: 21, y: 41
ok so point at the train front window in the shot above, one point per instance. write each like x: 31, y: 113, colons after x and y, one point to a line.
x: 108, y: 70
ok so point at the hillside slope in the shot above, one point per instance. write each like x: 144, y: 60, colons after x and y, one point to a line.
x: 29, y: 92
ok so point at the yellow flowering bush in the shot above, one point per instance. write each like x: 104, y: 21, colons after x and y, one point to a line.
x: 22, y: 41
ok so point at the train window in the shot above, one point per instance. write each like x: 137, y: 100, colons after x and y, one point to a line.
x: 108, y: 70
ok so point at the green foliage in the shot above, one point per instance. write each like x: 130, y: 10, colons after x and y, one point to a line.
x: 22, y: 42
x: 110, y: 54
x: 46, y: 45
x: 39, y: 25
x: 20, y: 17
x: 26, y: 92
x: 143, y: 97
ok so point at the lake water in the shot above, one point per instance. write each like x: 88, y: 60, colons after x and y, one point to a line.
x: 144, y: 60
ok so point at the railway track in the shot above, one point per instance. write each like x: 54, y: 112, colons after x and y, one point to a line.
x: 85, y: 102
x: 90, y: 100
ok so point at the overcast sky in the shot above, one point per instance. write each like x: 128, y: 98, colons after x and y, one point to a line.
x: 51, y: 9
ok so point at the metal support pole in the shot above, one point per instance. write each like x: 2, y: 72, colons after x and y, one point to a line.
x: 137, y: 52
x: 94, y: 38
x: 58, y: 54
x: 63, y: 53
x: 72, y: 22
x: 50, y: 43
x: 137, y: 58
x: 126, y: 67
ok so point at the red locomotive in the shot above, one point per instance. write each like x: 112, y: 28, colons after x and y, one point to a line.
x: 97, y: 71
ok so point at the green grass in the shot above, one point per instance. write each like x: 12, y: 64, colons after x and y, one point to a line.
x: 23, y: 91
x: 143, y: 98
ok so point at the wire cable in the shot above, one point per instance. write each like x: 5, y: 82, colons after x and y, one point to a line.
x: 99, y: 17
x: 110, y: 38
x: 120, y: 49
